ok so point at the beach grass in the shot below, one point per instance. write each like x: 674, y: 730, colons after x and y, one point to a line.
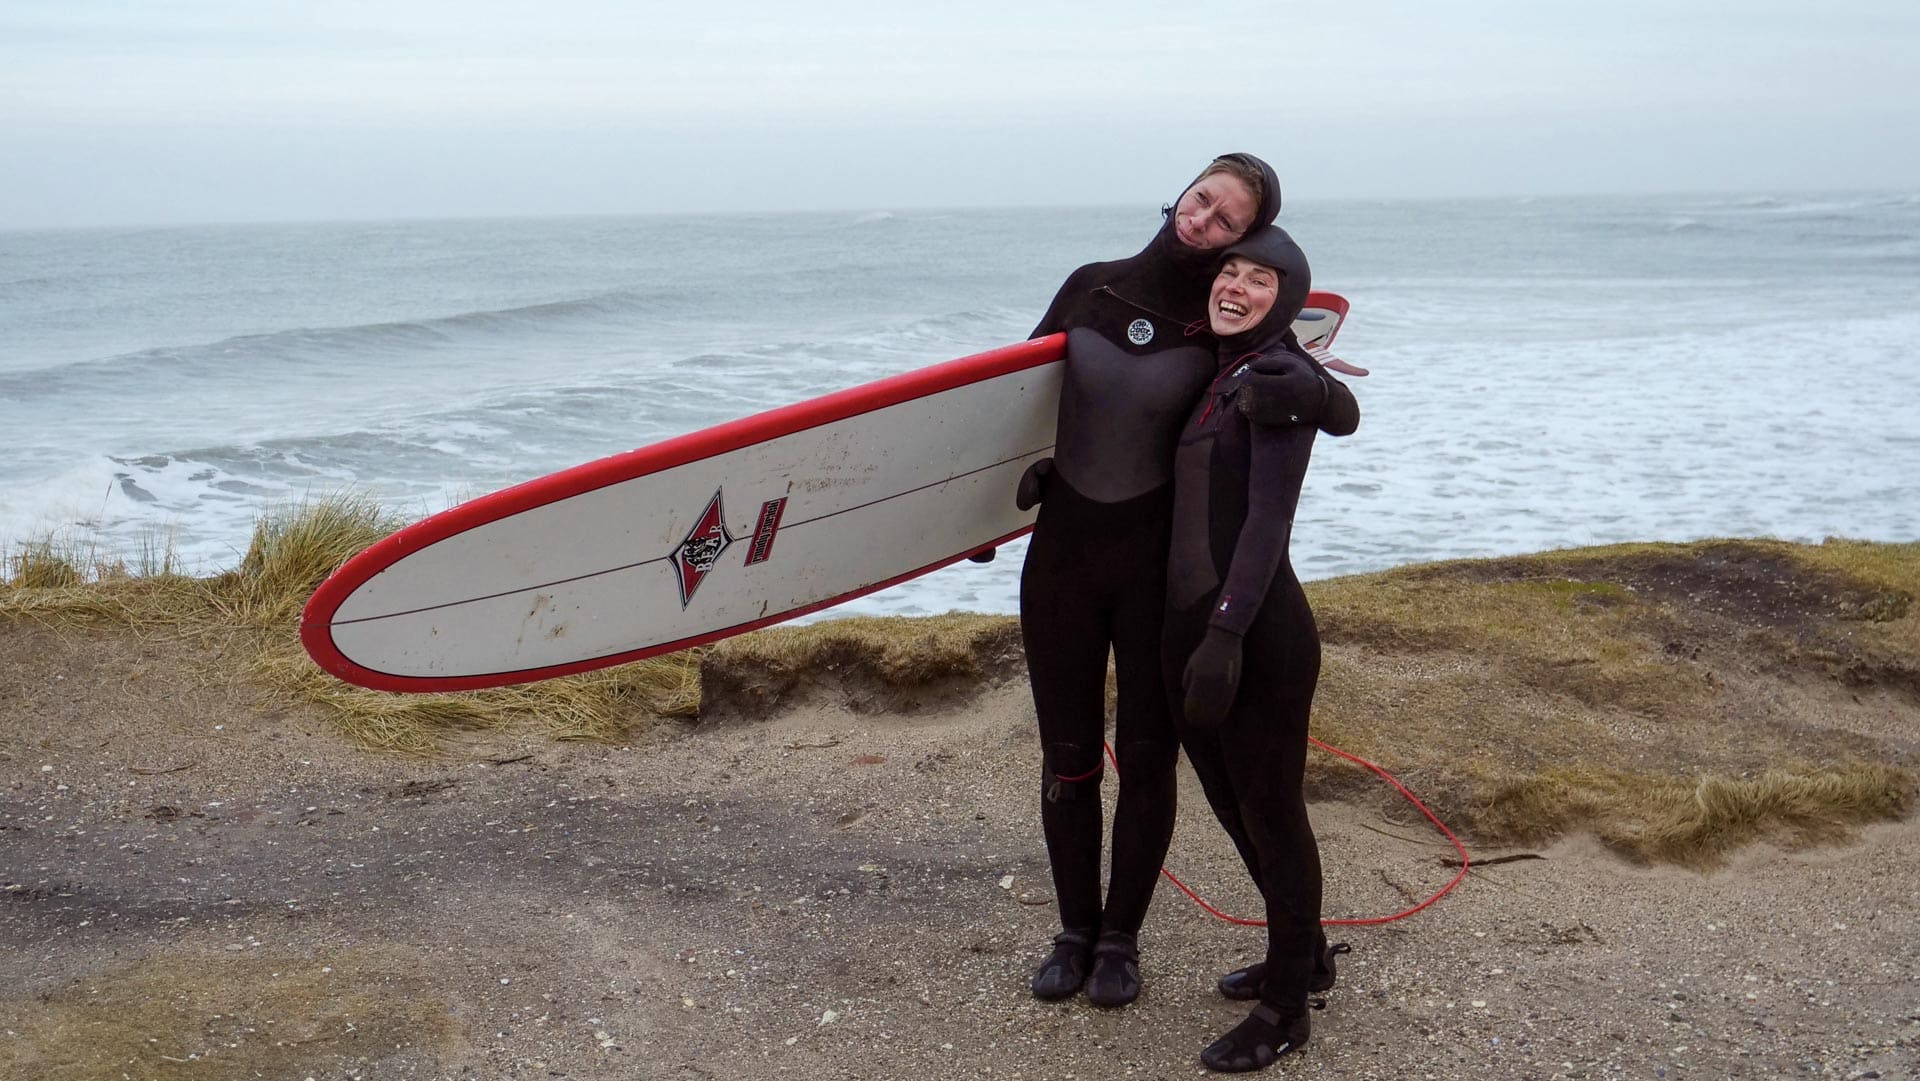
x: 248, y: 619
x: 293, y: 552
x: 1677, y: 701
x: 225, y: 1017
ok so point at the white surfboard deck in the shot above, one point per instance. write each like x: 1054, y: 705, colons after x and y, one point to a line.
x: 707, y: 535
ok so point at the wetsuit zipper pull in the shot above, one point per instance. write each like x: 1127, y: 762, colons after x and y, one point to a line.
x: 1213, y: 394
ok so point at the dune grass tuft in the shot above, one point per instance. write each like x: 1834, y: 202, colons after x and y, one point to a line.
x: 1694, y: 822
x: 292, y: 552
x: 226, y: 1017
x: 252, y: 613
x: 42, y: 564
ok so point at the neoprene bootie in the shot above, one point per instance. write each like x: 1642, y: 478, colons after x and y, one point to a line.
x: 1065, y: 969
x: 1115, y: 980
x: 1243, y: 984
x: 1257, y: 1042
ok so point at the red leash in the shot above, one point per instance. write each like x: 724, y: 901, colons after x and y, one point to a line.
x: 1357, y: 922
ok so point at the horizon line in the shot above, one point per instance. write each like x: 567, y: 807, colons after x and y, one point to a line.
x: 586, y: 215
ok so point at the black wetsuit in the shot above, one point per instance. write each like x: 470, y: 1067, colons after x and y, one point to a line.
x: 1137, y: 357
x: 1230, y: 586
x: 1095, y: 570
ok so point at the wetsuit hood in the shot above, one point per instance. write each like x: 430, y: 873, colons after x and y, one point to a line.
x: 1270, y: 246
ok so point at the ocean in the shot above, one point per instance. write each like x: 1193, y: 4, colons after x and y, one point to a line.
x: 1546, y: 372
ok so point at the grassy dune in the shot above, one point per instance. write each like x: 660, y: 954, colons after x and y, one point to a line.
x: 1674, y: 700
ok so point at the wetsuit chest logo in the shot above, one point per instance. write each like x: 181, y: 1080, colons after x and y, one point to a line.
x: 1139, y: 332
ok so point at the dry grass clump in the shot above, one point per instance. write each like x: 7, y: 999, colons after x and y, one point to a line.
x: 42, y: 565
x: 67, y: 581
x: 293, y: 551
x: 1694, y: 822
x: 65, y: 560
x: 251, y: 615
x: 225, y: 1017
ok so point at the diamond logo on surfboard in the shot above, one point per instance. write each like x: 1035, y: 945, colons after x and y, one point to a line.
x: 701, y: 549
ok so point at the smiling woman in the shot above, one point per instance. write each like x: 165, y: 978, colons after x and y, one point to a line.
x: 1242, y: 293
x: 1240, y: 653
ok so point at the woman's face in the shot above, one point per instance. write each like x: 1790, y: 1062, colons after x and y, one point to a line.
x: 1215, y: 212
x: 1243, y: 293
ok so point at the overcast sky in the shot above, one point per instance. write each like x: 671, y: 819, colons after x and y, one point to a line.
x: 138, y: 112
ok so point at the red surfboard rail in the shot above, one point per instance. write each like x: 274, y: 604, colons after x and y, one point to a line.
x: 316, y: 618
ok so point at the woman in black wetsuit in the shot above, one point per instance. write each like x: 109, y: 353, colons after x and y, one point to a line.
x: 1137, y: 357
x: 1241, y: 654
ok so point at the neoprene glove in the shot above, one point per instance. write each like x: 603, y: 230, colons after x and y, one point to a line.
x: 1032, y: 489
x: 1212, y: 678
x: 1282, y: 389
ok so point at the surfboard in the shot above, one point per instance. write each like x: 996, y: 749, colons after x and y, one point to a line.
x: 707, y: 535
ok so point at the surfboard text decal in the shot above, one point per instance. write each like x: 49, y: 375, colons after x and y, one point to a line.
x: 762, y: 545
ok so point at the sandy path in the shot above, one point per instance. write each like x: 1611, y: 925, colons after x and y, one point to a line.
x: 815, y: 896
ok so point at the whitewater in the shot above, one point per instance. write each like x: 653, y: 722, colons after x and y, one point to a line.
x: 1546, y: 373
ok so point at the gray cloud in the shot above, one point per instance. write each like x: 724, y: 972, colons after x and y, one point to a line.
x: 223, y: 111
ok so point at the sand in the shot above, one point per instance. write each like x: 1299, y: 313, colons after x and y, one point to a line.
x: 199, y: 886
